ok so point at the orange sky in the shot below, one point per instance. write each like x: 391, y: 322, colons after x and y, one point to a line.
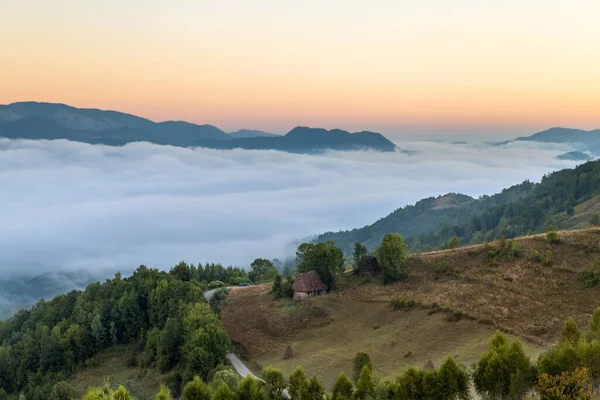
x: 393, y: 66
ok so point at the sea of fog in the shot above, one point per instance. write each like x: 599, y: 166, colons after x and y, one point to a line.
x: 73, y: 206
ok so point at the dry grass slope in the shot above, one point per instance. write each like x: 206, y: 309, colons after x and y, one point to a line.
x: 518, y: 295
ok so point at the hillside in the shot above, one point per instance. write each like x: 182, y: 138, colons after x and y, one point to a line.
x: 476, y: 293
x: 521, y: 209
x: 583, y: 141
x: 30, y: 120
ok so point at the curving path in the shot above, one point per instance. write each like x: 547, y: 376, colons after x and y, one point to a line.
x: 238, y: 364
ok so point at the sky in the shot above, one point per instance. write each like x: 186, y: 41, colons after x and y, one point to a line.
x: 434, y: 67
x: 74, y: 206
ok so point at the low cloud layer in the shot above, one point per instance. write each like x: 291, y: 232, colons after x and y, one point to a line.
x: 70, y: 205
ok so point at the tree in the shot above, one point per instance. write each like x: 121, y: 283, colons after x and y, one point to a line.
x: 391, y: 255
x: 315, y: 389
x: 360, y: 360
x: 325, y: 258
x: 358, y: 257
x: 454, y: 242
x: 249, y: 389
x: 61, y: 391
x: 365, y: 385
x: 342, y: 388
x: 594, y: 325
x: 274, y: 383
x: 504, y: 371
x: 226, y: 376
x: 570, y: 332
x: 182, y: 272
x: 163, y: 393
x: 223, y: 393
x: 3, y: 395
x: 453, y: 381
x: 195, y: 390
x: 121, y: 394
x: 276, y: 289
x: 263, y: 270
x: 298, y: 387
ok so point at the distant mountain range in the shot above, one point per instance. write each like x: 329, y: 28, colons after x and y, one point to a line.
x: 32, y: 120
x: 585, y: 142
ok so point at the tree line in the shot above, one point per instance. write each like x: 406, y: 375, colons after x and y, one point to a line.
x: 522, y: 209
x: 163, y: 313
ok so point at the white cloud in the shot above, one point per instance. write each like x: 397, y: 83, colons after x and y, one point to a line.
x: 72, y: 205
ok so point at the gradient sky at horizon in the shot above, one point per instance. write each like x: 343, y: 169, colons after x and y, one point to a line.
x: 470, y: 67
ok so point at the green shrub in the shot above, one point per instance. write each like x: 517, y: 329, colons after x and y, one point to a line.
x: 548, y: 262
x: 552, y: 237
x: 506, y: 250
x: 454, y: 242
x: 360, y: 360
x: 535, y: 256
x: 591, y: 277
x: 215, y: 285
x: 400, y: 303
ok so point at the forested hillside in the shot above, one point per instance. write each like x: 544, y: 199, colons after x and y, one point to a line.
x: 521, y: 209
x: 163, y: 313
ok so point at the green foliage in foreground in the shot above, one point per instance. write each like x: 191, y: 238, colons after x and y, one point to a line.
x: 162, y: 312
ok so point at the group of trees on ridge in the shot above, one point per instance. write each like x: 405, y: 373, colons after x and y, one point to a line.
x: 519, y: 210
x: 162, y: 313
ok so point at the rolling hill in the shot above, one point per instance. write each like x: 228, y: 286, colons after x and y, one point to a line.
x: 521, y: 209
x: 30, y: 120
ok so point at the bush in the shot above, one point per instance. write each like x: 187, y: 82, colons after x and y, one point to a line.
x: 595, y: 219
x: 552, y: 237
x: 548, y: 262
x: 506, y: 250
x: 568, y: 385
x: 454, y: 242
x: 218, y: 298
x: 360, y: 360
x: 399, y: 303
x: 591, y: 277
x: 61, y: 391
x: 536, y: 256
x: 215, y: 285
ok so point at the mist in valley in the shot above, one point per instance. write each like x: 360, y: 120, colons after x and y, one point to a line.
x: 87, y: 211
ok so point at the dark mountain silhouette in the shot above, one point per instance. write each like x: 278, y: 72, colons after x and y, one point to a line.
x: 31, y: 120
x: 582, y: 141
x: 249, y: 133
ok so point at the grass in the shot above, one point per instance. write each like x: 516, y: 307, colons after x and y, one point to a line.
x: 525, y: 296
x: 393, y: 340
x: 112, y: 365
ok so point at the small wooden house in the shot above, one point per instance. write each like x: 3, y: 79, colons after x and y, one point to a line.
x: 308, y: 284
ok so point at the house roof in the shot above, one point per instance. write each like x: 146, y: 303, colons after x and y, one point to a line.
x: 308, y: 282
